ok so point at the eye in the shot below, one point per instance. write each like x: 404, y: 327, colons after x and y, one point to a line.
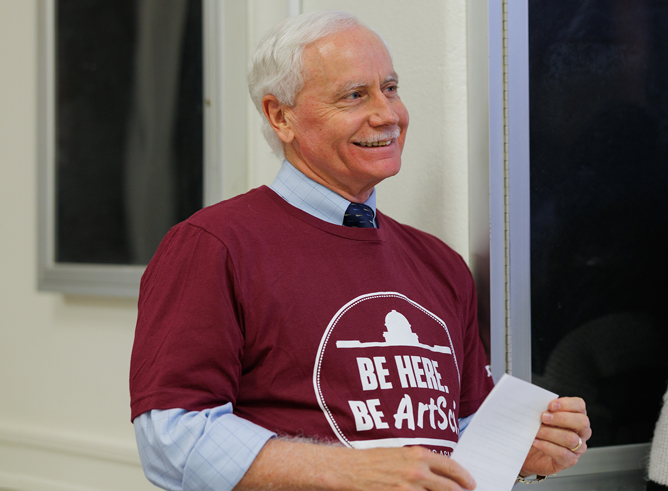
x: 354, y: 95
x: 391, y: 88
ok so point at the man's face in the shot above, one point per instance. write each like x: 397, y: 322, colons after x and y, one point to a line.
x: 348, y: 122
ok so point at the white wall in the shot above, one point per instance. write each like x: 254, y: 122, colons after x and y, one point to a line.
x: 64, y: 404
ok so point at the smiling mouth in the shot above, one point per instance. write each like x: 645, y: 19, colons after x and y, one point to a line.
x: 374, y: 144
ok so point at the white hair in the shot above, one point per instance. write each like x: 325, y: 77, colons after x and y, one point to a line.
x: 276, y: 65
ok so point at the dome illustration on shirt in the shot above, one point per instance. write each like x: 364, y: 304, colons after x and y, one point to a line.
x: 386, y: 374
x: 399, y: 333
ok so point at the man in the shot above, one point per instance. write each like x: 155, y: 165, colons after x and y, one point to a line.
x: 268, y: 306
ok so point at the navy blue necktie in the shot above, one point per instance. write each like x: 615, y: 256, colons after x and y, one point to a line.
x: 358, y: 216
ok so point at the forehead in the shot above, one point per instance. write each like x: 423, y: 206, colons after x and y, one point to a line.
x: 352, y: 56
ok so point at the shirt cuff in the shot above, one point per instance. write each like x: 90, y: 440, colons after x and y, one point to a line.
x: 197, y: 450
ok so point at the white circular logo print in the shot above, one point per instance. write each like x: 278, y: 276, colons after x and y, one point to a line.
x: 386, y: 375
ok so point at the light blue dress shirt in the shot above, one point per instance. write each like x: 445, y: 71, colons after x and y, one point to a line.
x: 212, y: 449
x: 313, y: 198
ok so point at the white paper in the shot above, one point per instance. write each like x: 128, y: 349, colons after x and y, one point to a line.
x: 498, y: 438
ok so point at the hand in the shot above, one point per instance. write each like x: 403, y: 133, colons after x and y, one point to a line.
x: 554, y: 449
x: 284, y: 465
x: 407, y: 468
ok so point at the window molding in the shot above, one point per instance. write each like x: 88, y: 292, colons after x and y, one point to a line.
x: 497, y: 191
x: 123, y: 280
x: 518, y: 188
x: 66, y: 278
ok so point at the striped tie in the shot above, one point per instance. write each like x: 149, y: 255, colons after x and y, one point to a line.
x: 358, y: 216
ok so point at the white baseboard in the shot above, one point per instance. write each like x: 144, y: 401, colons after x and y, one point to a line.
x: 17, y: 482
x: 42, y: 459
x: 64, y: 442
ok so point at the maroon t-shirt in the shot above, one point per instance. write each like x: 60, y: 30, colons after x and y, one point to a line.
x: 366, y: 336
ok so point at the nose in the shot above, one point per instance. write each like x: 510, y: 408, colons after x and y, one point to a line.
x: 382, y: 113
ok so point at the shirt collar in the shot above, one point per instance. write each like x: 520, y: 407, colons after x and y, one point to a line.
x: 312, y: 197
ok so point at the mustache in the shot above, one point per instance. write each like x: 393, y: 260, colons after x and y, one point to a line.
x: 383, y: 136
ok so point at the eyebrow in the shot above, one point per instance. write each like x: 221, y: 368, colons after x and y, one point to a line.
x: 392, y: 77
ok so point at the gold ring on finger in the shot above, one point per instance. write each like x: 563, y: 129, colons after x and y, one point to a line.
x: 578, y: 445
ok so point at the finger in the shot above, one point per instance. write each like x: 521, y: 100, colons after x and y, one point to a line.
x: 576, y: 422
x: 450, y: 469
x: 562, y: 457
x: 569, y: 404
x: 564, y: 438
x: 446, y: 484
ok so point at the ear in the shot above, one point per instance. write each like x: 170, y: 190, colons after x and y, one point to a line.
x: 274, y: 111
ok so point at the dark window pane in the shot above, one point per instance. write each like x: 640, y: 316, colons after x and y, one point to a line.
x: 129, y: 131
x: 599, y: 176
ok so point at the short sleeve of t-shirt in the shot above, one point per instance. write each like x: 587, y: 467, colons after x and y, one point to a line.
x: 189, y: 339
